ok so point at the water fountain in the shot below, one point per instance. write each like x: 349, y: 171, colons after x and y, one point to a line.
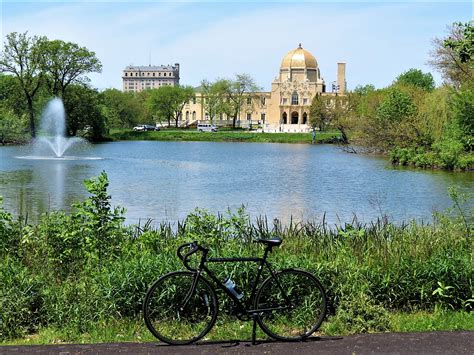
x: 52, y: 142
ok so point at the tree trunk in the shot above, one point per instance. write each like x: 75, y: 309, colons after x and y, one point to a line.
x: 345, y: 140
x: 31, y: 114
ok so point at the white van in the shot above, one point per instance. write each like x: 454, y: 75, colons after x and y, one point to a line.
x: 203, y: 127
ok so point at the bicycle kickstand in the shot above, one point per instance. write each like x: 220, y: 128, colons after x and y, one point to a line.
x: 254, y: 329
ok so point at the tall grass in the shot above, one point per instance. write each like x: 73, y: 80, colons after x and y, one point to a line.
x: 79, y: 271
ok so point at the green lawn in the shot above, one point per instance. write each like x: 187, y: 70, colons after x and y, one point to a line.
x: 222, y: 136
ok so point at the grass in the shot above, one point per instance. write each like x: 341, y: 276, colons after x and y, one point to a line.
x: 227, y: 328
x: 82, y: 277
x: 222, y: 136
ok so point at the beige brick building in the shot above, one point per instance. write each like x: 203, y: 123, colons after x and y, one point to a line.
x: 138, y: 78
x: 286, y: 107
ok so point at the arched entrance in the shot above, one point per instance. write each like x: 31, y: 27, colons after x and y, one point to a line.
x: 305, y: 118
x: 284, y: 118
x: 294, y: 117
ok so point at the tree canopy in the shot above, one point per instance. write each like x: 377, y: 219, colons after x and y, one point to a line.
x: 416, y: 78
x: 168, y: 101
x: 22, y: 57
x: 66, y: 63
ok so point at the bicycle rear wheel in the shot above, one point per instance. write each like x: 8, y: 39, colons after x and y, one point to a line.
x: 173, y: 314
x: 300, y: 301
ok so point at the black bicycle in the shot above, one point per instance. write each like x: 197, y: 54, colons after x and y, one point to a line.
x: 181, y: 307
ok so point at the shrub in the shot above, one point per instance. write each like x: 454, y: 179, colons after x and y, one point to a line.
x: 20, y: 299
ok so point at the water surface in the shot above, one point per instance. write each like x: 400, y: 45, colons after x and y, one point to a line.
x: 165, y: 181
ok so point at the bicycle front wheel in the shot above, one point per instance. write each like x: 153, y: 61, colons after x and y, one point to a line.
x: 294, y: 306
x: 175, y: 312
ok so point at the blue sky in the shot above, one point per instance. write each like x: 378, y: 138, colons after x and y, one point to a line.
x: 377, y: 40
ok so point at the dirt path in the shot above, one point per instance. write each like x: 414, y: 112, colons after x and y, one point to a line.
x: 461, y: 342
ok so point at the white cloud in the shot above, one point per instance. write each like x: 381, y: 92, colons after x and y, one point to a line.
x: 378, y: 42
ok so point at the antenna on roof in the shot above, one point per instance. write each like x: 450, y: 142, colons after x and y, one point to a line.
x: 149, y: 58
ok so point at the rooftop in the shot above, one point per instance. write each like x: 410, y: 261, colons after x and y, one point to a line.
x: 151, y: 67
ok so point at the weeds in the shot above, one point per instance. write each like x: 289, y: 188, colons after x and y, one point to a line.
x: 80, y: 271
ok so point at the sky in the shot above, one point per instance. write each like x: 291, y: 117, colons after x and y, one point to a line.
x: 218, y: 39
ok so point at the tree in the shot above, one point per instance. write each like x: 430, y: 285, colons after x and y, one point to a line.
x: 22, y: 57
x: 464, y: 47
x: 168, y: 101
x: 396, y: 106
x: 122, y: 109
x: 463, y: 109
x: 65, y: 63
x: 416, y: 78
x: 319, y: 112
x: 445, y: 56
x: 11, y: 126
x: 364, y: 89
x: 83, y: 109
x: 211, y: 98
x: 238, y: 91
x: 341, y: 112
x: 183, y: 95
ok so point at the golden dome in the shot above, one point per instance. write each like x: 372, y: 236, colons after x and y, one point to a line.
x: 299, y: 58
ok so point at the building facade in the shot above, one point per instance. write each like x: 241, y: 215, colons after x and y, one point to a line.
x: 138, y: 78
x: 284, y: 109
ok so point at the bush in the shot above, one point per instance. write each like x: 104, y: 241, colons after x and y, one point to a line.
x: 20, y: 299
x: 69, y: 276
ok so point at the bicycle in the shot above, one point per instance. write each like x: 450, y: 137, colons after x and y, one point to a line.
x: 181, y: 307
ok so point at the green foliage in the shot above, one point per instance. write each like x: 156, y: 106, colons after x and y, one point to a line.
x: 224, y: 136
x: 396, y: 106
x: 9, y: 234
x: 65, y: 64
x: 121, y: 109
x: 100, y: 222
x: 357, y: 313
x: 83, y: 111
x: 20, y: 299
x: 416, y: 78
x: 12, y: 127
x: 80, y: 271
x: 22, y: 57
x: 463, y: 108
x: 452, y: 55
x: 167, y: 101
x: 318, y: 113
x: 464, y: 46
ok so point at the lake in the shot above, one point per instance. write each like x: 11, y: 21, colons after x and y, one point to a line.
x: 165, y: 181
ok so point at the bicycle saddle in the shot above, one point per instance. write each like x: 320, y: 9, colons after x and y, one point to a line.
x: 272, y: 242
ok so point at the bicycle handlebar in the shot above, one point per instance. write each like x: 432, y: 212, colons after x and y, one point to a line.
x: 195, y: 247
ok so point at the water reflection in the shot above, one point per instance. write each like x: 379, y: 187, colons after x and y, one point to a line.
x: 166, y: 180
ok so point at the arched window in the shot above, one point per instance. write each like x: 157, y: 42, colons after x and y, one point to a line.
x: 294, y: 117
x: 294, y: 98
x: 194, y: 115
x: 284, y: 118
x: 305, y: 118
x: 187, y: 115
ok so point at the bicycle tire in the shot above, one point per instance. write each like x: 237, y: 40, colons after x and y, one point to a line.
x: 164, y: 316
x: 307, y: 297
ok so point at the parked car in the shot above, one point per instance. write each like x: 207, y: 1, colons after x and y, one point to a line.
x: 146, y: 127
x: 202, y: 127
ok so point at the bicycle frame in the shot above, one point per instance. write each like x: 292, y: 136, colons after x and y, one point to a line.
x: 240, y: 305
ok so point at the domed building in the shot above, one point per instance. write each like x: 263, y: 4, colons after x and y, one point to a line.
x: 287, y: 107
x: 293, y: 90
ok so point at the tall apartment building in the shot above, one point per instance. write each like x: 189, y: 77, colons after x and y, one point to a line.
x: 138, y: 78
